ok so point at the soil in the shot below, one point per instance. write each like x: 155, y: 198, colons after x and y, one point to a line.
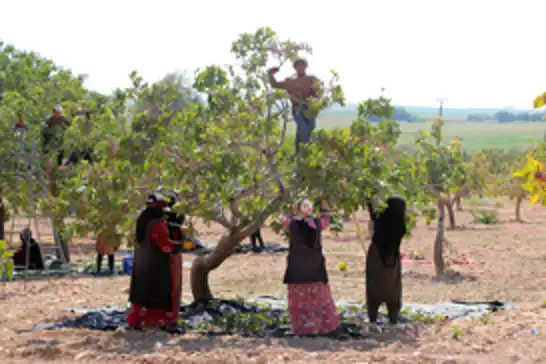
x: 509, y: 265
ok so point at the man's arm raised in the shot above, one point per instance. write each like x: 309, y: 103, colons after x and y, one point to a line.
x: 273, y: 81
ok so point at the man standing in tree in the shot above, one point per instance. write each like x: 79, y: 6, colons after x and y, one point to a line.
x: 301, y: 89
x: 53, y: 132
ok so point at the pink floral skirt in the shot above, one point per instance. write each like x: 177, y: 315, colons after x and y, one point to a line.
x: 312, y: 309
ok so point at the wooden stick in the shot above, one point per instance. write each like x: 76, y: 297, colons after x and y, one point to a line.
x: 359, y: 235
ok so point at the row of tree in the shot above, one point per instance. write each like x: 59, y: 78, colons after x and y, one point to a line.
x: 501, y: 116
x: 504, y: 116
x: 229, y: 157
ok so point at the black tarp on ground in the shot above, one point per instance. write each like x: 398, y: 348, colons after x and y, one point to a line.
x: 267, y: 317
x: 269, y: 247
x: 206, y: 248
x: 88, y: 267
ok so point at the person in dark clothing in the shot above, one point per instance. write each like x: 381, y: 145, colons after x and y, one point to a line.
x: 53, y: 132
x: 156, y: 279
x: 255, y: 238
x: 28, y: 243
x: 383, y: 264
x: 174, y: 220
x: 311, y: 306
x: 111, y: 262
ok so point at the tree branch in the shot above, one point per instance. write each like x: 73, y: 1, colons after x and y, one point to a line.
x: 221, y: 219
x: 276, y: 174
x: 234, y: 208
x: 283, y: 135
x: 266, y: 212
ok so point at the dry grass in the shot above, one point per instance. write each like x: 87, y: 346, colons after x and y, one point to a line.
x: 509, y: 265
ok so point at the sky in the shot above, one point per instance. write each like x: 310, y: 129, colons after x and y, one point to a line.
x: 474, y: 53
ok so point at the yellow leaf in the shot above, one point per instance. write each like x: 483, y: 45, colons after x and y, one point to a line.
x: 534, y: 199
x: 342, y: 266
x: 540, y: 101
x: 521, y: 173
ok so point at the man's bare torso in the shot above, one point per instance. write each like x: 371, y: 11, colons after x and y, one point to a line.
x: 301, y: 88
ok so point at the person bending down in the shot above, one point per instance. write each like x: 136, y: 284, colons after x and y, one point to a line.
x: 311, y: 306
x: 383, y: 264
x: 107, y: 244
x: 156, y: 279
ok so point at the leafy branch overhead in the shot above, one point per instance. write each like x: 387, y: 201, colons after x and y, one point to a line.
x: 222, y: 142
x: 229, y: 157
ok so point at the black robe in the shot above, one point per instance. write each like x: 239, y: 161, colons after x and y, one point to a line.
x: 383, y: 264
x: 306, y: 262
x: 151, y: 279
x: 35, y: 259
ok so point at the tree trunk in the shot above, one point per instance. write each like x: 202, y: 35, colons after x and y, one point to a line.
x: 58, y: 226
x: 2, y: 219
x: 202, y: 266
x: 519, y: 200
x: 458, y: 203
x: 439, y: 264
x: 451, y: 215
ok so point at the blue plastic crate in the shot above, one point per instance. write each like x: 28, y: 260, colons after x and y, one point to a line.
x: 127, y: 265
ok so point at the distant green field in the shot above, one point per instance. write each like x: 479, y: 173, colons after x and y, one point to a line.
x: 475, y: 136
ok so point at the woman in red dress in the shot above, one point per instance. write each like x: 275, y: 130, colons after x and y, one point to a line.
x: 310, y: 303
x: 156, y: 279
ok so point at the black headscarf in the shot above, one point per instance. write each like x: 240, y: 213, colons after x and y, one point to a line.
x: 149, y: 214
x: 389, y: 229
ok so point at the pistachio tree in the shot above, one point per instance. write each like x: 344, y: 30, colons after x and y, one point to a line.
x: 231, y: 158
x: 441, y: 168
x: 499, y: 166
x: 29, y: 87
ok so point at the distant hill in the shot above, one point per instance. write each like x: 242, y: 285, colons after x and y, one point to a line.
x: 427, y: 111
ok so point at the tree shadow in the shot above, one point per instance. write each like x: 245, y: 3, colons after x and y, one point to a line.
x: 454, y: 277
x: 449, y: 277
x: 46, y: 276
x: 522, y: 222
x: 417, y: 275
x: 475, y: 227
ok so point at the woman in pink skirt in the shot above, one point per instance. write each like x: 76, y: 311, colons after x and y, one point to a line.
x: 310, y: 303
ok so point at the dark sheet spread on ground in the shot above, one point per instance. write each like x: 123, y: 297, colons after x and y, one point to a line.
x: 88, y: 267
x: 269, y: 247
x: 267, y: 317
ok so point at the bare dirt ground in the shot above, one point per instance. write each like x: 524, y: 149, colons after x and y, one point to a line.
x: 510, y: 265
